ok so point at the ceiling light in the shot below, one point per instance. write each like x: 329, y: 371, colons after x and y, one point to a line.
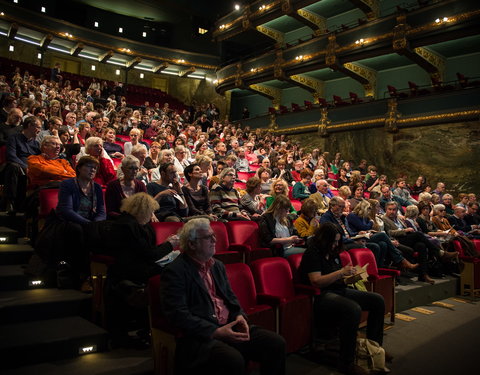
x: 437, y: 20
x: 181, y: 61
x: 237, y: 7
x: 222, y: 27
x: 120, y: 29
x: 117, y: 72
x: 39, y: 55
x: 445, y: 19
x: 2, y: 14
x: 43, y: 9
x: 15, y: 1
x: 11, y: 48
x: 299, y: 57
x: 142, y: 76
x: 93, y: 67
x: 144, y: 34
x: 95, y: 24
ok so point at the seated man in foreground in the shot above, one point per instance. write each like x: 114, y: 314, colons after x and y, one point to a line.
x: 198, y: 300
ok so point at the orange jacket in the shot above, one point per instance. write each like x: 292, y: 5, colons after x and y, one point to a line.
x: 42, y: 171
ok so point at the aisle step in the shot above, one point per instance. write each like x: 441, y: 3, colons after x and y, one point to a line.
x: 13, y: 277
x: 15, y: 254
x: 47, y: 340
x: 36, y: 304
x: 8, y: 235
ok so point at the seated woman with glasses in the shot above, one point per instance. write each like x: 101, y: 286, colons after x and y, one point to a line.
x: 123, y: 187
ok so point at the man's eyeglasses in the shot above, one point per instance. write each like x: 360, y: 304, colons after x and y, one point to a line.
x: 210, y: 237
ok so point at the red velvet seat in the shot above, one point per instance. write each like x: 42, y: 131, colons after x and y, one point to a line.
x: 415, y: 90
x: 246, y: 233
x: 272, y: 110
x: 345, y: 258
x: 240, y: 185
x: 322, y: 102
x: 290, y: 192
x: 354, y: 98
x: 283, y: 109
x: 297, y: 205
x: 164, y: 230
x: 245, y: 175
x: 394, y: 93
x: 120, y: 143
x: 163, y: 336
x: 243, y: 285
x: 308, y: 104
x: 273, y: 279
x: 338, y: 101
x: 296, y: 107
x: 48, y: 200
x: 382, y: 279
x: 254, y: 168
x: 224, y: 250
x: 123, y: 138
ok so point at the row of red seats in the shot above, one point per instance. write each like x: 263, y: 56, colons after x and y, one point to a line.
x: 272, y: 297
x: 470, y: 275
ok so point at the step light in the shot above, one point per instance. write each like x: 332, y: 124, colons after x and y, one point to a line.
x: 87, y: 349
x: 35, y: 283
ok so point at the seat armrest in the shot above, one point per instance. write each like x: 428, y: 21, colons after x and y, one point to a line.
x: 239, y: 247
x: 306, y: 289
x: 389, y: 271
x: 268, y: 299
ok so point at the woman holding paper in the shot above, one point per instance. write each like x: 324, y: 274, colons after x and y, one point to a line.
x: 322, y: 268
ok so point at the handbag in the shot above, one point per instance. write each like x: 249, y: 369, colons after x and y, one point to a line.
x: 370, y: 355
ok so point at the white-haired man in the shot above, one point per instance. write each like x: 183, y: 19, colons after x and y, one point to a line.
x: 198, y: 300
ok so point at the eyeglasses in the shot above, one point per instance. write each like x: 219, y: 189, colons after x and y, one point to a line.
x: 210, y: 237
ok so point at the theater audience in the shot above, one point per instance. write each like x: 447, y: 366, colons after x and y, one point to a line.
x: 320, y: 197
x: 281, y: 172
x: 279, y: 187
x: 447, y: 201
x: 402, y: 191
x: 113, y: 149
x: 357, y: 195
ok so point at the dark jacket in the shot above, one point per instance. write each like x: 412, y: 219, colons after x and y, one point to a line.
x: 69, y: 202
x: 188, y: 307
x: 135, y: 250
x: 328, y: 217
x: 114, y: 195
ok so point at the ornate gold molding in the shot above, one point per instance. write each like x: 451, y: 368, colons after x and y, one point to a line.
x: 278, y: 72
x: 330, y: 54
x: 276, y: 35
x: 378, y: 122
x: 272, y: 93
x: 366, y: 76
x: 392, y: 116
x: 434, y: 62
x: 370, y: 7
x: 324, y: 122
x: 315, y: 86
x: 313, y: 20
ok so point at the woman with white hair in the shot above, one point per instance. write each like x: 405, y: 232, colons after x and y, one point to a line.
x: 105, y: 172
x: 121, y: 188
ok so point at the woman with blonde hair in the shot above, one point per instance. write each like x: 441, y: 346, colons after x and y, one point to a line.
x: 277, y: 230
x: 135, y: 137
x: 137, y: 258
x: 279, y: 187
x: 55, y: 109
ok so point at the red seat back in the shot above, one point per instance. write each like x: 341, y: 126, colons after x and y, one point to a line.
x: 345, y: 258
x: 297, y: 205
x: 294, y: 260
x: 273, y: 276
x: 221, y: 234
x: 243, y: 285
x: 48, y: 201
x: 244, y: 232
x: 163, y: 230
x: 362, y: 257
